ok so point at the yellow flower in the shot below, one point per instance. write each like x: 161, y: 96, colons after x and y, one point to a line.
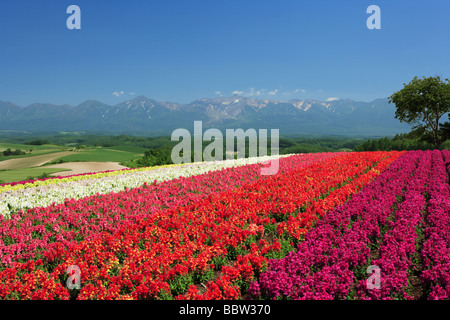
x: 48, y: 182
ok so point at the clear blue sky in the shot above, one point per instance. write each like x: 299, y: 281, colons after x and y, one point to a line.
x: 190, y: 49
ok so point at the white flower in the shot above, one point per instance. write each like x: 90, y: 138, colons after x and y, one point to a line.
x: 43, y: 196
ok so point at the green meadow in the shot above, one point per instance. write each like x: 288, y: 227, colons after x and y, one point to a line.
x: 119, y: 154
x: 30, y: 150
x: 28, y: 173
x: 116, y: 154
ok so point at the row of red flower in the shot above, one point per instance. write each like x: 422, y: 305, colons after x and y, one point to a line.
x: 27, y: 234
x: 301, y: 222
x: 162, y: 254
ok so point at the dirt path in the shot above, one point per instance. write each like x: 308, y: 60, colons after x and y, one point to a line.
x: 34, y: 161
x: 85, y: 167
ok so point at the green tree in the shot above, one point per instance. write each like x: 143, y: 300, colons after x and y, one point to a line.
x: 422, y: 103
x: 155, y: 157
x: 445, y: 131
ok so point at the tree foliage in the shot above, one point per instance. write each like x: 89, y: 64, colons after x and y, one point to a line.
x: 9, y: 152
x: 422, y: 103
x: 409, y: 141
x: 155, y: 157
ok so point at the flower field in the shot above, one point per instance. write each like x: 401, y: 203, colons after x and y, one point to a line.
x: 44, y: 192
x: 223, y: 231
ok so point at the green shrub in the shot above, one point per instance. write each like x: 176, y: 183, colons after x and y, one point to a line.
x: 37, y: 142
x: 9, y: 152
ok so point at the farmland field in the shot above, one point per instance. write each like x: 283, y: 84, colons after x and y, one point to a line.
x: 30, y: 150
x: 57, y: 160
x: 83, y: 167
x: 118, y: 154
x: 222, y: 230
x: 5, y: 145
x: 33, y: 161
x: 25, y: 173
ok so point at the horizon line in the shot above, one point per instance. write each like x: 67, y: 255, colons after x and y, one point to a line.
x: 207, y: 98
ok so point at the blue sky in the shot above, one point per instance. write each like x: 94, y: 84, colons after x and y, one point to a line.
x: 190, y: 49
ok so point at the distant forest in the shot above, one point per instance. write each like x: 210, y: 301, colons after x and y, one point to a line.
x: 407, y: 141
x: 159, y: 148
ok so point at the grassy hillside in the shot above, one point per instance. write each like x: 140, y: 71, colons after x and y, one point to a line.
x: 7, y: 176
x: 117, y: 154
x: 127, y: 150
x: 25, y: 168
x: 29, y: 150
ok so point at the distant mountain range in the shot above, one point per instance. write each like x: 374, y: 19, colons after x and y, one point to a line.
x: 144, y: 116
